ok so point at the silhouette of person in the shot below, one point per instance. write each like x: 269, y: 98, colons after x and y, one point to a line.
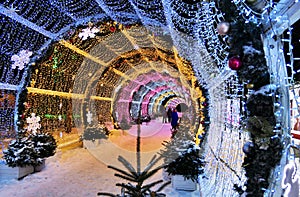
x: 169, y: 114
x: 174, y: 121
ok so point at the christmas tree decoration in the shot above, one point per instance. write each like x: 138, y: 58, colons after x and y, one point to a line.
x: 248, y: 147
x: 250, y: 86
x: 112, y: 29
x: 223, y: 28
x: 235, y: 63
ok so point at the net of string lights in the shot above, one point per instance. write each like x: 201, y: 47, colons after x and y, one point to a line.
x: 38, y: 46
x: 274, y: 91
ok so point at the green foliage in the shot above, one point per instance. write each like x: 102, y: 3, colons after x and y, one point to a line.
x: 187, y: 162
x: 139, y: 188
x: 20, y: 153
x: 29, y: 149
x: 182, y: 156
x: 44, y: 144
x: 257, y: 165
x: 259, y: 126
x: 93, y: 133
x: 244, y: 39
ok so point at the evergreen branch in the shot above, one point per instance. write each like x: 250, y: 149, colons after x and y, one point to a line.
x: 146, y: 175
x: 126, y: 178
x: 128, y: 165
x: 123, y: 172
x: 148, y: 186
x: 128, y: 187
x: 106, y: 194
x: 152, y: 162
x: 163, y: 186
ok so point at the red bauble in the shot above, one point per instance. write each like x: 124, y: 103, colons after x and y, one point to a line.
x: 235, y: 63
x: 112, y: 29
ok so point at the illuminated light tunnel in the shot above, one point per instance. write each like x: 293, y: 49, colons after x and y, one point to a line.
x: 69, y: 77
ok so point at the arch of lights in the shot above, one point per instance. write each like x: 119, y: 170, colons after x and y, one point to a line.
x: 151, y: 82
x: 32, y: 29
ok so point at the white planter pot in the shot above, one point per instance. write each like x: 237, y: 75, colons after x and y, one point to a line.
x: 40, y: 167
x: 180, y: 183
x: 7, y: 172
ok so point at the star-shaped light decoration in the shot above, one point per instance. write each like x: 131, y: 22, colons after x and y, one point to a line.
x: 12, y: 9
x: 21, y: 59
x: 33, y: 123
x: 88, y: 32
x: 89, y: 117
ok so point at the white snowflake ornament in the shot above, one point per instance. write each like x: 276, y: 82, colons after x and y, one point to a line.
x: 89, y: 117
x: 33, y: 123
x: 21, y: 59
x: 88, y: 32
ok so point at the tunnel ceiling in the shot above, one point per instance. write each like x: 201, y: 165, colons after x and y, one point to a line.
x: 34, y: 26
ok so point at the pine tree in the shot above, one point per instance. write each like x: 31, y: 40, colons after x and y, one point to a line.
x: 20, y: 152
x: 182, y: 156
x: 138, y: 177
x: 44, y: 145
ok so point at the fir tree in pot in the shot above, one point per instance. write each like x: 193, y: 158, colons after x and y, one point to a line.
x: 44, y: 146
x: 182, y: 157
x: 20, y: 155
x: 20, y: 152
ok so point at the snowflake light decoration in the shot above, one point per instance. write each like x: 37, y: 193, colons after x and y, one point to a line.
x: 88, y: 32
x: 89, y: 117
x: 33, y: 123
x: 21, y: 59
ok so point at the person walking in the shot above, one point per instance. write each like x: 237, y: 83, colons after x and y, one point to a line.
x: 169, y: 114
x: 174, y: 121
x: 164, y: 114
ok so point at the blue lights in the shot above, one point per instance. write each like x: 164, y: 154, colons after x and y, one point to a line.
x: 191, y: 25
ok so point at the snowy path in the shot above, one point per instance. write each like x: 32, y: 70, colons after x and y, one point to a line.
x: 80, y: 173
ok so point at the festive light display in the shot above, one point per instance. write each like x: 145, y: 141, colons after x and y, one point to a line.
x: 109, y: 70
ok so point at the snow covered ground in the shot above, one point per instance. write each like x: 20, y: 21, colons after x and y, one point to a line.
x: 83, y: 172
x: 72, y: 173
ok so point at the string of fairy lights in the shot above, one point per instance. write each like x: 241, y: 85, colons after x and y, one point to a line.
x: 26, y: 26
